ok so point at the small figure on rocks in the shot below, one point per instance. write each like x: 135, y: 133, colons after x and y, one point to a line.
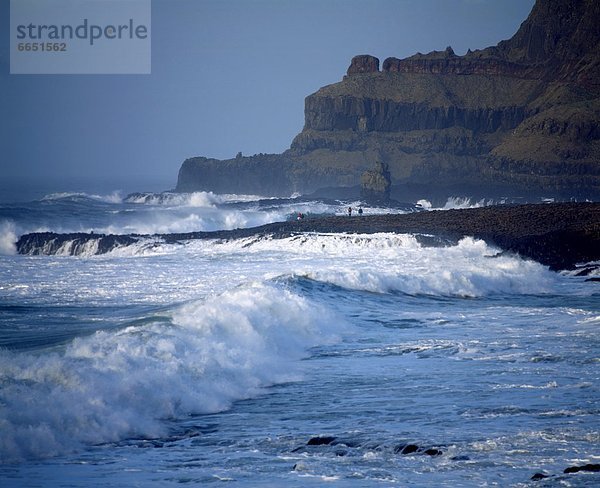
x: 349, y: 211
x: 360, y: 211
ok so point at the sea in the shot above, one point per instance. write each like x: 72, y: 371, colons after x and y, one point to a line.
x: 313, y: 360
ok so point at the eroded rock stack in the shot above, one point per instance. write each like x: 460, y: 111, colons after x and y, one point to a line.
x: 375, y: 184
x: 363, y: 63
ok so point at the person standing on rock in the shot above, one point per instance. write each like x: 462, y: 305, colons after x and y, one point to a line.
x: 360, y: 211
x: 349, y: 211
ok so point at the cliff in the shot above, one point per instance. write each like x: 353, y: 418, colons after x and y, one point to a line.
x: 520, y: 118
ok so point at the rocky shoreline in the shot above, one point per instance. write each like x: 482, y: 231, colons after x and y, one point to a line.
x: 558, y: 235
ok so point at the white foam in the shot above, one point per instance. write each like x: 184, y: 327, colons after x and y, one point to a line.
x: 385, y: 263
x: 454, y: 203
x: 380, y: 263
x: 193, y: 199
x: 161, y: 213
x: 117, y: 385
x: 549, y: 385
x: 462, y: 202
x: 74, y: 248
x: 204, y: 219
x: 114, y: 197
x: 8, y: 238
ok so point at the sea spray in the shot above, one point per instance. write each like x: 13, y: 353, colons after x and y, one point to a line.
x: 114, y: 197
x: 195, y: 199
x: 198, y: 358
x: 470, y: 268
x: 8, y: 238
x: 151, y: 213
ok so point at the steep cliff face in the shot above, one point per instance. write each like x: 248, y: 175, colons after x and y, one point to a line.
x: 385, y: 102
x: 518, y: 118
x: 560, y: 38
x: 559, y: 41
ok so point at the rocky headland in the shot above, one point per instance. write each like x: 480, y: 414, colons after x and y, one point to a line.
x: 520, y: 119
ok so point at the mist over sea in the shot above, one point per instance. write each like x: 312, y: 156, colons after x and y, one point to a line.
x: 351, y: 360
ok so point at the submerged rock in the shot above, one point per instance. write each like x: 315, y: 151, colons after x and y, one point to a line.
x: 406, y: 449
x: 460, y: 457
x: 320, y: 441
x: 539, y: 476
x: 591, y: 468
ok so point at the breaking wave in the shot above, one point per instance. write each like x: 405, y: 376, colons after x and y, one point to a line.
x: 195, y: 359
x: 469, y: 268
x: 196, y: 199
x: 379, y: 263
x: 389, y: 263
x: 114, y: 197
x: 455, y: 203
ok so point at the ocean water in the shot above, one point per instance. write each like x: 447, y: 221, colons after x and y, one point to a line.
x: 319, y: 359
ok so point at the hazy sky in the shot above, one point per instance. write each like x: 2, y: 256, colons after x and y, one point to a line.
x: 227, y: 76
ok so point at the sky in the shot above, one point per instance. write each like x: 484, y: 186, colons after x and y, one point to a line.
x: 227, y: 76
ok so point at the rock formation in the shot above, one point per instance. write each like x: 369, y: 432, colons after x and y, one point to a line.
x: 375, y: 184
x: 363, y: 63
x: 518, y: 119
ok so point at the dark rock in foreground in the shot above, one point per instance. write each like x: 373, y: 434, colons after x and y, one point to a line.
x: 320, y: 441
x: 586, y: 468
x: 406, y: 449
x: 50, y: 243
x: 539, y: 476
x: 558, y: 235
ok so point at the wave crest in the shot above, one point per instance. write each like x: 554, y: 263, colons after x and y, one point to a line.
x: 198, y: 359
x: 114, y: 197
x: 194, y: 199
